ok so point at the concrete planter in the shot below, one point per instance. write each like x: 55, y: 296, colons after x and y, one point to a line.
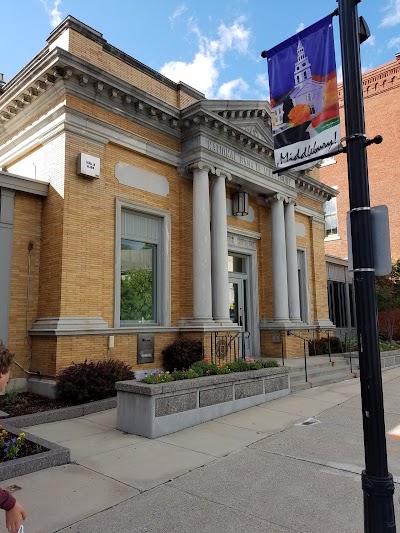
x: 54, y: 455
x: 155, y: 410
x: 388, y: 359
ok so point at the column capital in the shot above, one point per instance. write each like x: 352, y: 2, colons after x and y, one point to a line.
x: 201, y: 165
x: 290, y: 200
x: 220, y: 172
x: 276, y: 198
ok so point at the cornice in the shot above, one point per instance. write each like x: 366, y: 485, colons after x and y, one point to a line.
x: 198, y: 115
x: 314, y: 189
x: 377, y: 81
x: 94, y: 84
x: 64, y: 119
x: 94, y: 35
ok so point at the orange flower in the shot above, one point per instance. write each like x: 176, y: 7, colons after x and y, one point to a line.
x: 330, y: 93
x: 299, y: 114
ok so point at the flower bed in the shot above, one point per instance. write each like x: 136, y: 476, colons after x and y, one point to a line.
x: 203, y: 368
x: 25, y: 453
x: 157, y: 409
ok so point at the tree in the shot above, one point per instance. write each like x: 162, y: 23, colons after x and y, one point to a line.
x: 137, y: 295
x: 388, y: 297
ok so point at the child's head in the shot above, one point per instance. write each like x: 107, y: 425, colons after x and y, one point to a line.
x: 6, y: 358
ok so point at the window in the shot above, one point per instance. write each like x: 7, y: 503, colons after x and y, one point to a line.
x: 338, y: 294
x: 305, y: 75
x: 142, y: 269
x: 302, y: 276
x: 331, y: 219
x: 327, y: 161
x: 138, y: 281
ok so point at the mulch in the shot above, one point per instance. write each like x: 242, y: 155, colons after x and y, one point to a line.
x: 27, y: 403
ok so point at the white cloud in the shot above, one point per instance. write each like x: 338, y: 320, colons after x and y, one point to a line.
x: 371, y: 40
x: 177, y: 13
x: 300, y: 27
x: 53, y: 12
x: 203, y: 71
x: 392, y: 14
x: 233, y: 90
x: 263, y: 83
x: 394, y: 42
x: 339, y: 75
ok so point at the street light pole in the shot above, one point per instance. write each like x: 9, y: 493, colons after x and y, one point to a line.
x: 377, y: 483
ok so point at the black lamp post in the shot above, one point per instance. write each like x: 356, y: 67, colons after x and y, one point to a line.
x: 240, y: 203
x: 377, y: 483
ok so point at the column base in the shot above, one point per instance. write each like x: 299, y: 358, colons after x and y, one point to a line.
x: 324, y: 323
x: 206, y: 324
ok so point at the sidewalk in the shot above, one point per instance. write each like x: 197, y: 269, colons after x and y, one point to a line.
x: 255, y: 470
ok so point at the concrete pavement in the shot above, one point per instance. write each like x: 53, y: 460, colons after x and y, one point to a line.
x: 255, y: 470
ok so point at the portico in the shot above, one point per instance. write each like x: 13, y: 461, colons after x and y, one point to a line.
x: 218, y: 156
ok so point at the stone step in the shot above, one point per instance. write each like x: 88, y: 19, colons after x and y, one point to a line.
x: 321, y: 379
x: 333, y: 379
x: 318, y: 372
x: 296, y: 387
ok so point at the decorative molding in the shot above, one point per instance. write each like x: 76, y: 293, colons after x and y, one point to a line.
x: 241, y: 241
x: 56, y: 325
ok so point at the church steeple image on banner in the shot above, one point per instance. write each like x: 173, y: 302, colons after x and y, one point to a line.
x: 302, y: 70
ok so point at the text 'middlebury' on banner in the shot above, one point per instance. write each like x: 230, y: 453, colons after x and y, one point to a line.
x: 304, y: 96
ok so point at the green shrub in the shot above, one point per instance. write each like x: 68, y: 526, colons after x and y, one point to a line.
x: 177, y: 375
x: 269, y: 363
x: 321, y: 346
x: 87, y: 382
x: 240, y: 365
x: 204, y: 368
x: 190, y: 374
x: 182, y: 353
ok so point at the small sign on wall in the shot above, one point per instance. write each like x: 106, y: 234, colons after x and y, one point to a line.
x: 145, y: 348
x: 88, y: 166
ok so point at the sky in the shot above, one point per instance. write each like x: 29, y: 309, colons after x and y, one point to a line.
x: 212, y: 45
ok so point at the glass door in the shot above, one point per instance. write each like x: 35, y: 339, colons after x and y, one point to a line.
x: 238, y: 310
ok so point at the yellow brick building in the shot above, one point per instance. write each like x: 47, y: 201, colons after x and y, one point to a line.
x: 120, y: 227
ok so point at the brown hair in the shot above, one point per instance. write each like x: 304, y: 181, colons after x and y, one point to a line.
x: 6, y: 358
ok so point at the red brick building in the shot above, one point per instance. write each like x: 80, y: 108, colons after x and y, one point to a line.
x: 381, y: 87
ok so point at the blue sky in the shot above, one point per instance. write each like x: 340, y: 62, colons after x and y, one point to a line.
x: 213, y: 45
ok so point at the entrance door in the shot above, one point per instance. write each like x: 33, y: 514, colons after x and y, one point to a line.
x: 238, y: 310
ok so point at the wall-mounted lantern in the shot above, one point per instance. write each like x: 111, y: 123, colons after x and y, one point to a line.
x: 240, y: 203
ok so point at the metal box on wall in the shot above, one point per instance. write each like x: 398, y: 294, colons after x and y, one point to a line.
x: 145, y: 348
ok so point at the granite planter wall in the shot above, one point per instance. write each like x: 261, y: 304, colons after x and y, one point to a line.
x: 53, y: 455
x: 155, y: 410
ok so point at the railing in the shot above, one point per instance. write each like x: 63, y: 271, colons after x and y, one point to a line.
x: 348, y: 344
x: 225, y: 347
x: 304, y: 350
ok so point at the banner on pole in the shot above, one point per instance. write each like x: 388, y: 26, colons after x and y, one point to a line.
x: 304, y: 96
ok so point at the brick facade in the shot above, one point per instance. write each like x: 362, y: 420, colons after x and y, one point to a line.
x: 73, y: 261
x: 381, y: 87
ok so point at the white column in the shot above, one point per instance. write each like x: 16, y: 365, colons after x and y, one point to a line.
x: 202, y: 305
x: 219, y: 248
x: 279, y: 270
x: 291, y: 260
